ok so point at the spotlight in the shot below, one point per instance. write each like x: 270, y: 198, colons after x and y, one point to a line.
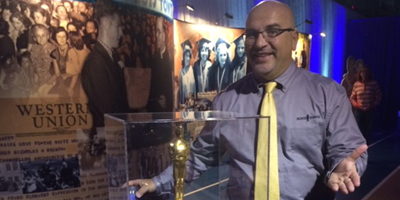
x: 189, y: 7
x: 322, y: 34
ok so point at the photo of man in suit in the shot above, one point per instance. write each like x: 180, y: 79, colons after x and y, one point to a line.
x: 161, y: 94
x: 102, y: 77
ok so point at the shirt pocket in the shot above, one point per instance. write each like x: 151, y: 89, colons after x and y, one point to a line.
x: 306, y: 144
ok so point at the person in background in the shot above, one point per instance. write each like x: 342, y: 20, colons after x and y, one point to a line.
x: 220, y: 74
x: 320, y: 148
x: 359, y: 64
x: 239, y: 63
x: 76, y: 57
x: 187, y: 85
x: 41, y: 59
x: 161, y: 92
x: 350, y: 77
x: 21, y: 25
x: 365, y: 96
x: 202, y: 65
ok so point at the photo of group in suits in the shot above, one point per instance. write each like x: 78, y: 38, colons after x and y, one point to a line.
x: 207, y: 60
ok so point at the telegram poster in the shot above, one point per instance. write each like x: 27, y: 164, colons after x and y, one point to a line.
x: 52, y: 146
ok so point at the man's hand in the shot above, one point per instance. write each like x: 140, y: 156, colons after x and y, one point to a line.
x: 146, y: 185
x: 345, y: 177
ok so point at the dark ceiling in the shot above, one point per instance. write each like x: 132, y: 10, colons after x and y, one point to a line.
x: 373, y: 8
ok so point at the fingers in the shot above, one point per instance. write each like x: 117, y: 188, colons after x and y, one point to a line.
x: 145, y: 186
x: 344, y: 184
x: 132, y: 183
x: 355, y: 178
x: 358, y: 152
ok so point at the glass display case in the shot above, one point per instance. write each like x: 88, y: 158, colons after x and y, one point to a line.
x: 139, y: 146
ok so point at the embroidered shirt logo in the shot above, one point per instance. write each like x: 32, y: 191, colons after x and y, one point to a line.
x: 308, y: 117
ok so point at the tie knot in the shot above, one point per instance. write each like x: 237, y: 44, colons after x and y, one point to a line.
x: 270, y: 86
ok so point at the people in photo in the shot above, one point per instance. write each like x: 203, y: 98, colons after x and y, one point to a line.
x: 187, y: 85
x: 239, y: 63
x: 161, y: 93
x: 202, y: 65
x: 220, y: 74
x: 102, y: 77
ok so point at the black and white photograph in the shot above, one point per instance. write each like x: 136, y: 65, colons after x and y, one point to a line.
x: 10, y: 178
x: 50, y: 175
x: 91, y: 152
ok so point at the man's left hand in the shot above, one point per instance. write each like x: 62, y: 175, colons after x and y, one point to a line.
x: 345, y: 176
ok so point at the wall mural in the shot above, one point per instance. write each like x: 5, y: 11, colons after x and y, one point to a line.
x: 52, y: 146
x: 207, y: 59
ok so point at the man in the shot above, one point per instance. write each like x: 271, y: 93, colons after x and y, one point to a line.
x: 102, y: 76
x: 326, y: 146
x: 160, y: 99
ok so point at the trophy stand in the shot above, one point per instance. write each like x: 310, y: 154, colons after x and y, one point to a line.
x: 179, y: 150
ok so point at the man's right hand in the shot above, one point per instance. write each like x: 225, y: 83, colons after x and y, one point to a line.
x: 146, y: 185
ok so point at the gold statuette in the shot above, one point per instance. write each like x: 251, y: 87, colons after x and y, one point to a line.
x: 179, y: 151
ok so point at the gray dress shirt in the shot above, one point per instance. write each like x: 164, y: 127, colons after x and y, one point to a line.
x: 316, y: 130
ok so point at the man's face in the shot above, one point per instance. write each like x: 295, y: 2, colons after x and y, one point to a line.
x: 41, y: 36
x: 204, y: 53
x: 240, y: 48
x: 61, y: 38
x: 114, y: 30
x: 222, y: 55
x: 90, y: 27
x: 160, y: 34
x: 39, y: 18
x: 270, y: 57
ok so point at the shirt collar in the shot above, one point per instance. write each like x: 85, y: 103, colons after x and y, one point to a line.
x: 282, y: 80
x: 108, y: 49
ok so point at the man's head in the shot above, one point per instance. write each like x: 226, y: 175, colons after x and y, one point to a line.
x: 359, y: 64
x: 160, y: 33
x: 90, y: 27
x: 109, y: 23
x: 40, y: 34
x: 351, y: 65
x: 270, y: 39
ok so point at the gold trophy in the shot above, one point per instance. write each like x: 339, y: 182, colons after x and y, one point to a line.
x: 179, y: 150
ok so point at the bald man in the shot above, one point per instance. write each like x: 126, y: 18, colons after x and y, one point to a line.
x: 320, y: 148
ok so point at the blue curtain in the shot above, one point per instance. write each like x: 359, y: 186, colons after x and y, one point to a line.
x: 377, y: 42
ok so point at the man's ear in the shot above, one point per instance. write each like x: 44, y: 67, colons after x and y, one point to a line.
x: 295, y: 38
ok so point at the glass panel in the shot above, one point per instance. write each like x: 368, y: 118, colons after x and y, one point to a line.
x: 138, y: 148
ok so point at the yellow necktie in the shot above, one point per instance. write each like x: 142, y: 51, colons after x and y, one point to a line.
x: 266, y: 175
